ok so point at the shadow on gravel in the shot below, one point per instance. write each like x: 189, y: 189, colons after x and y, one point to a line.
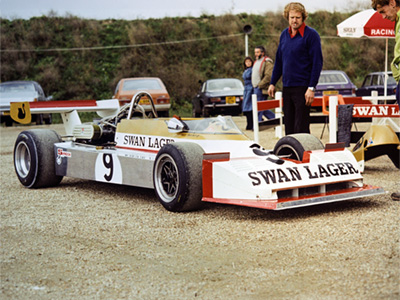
x: 345, y: 207
x: 144, y: 196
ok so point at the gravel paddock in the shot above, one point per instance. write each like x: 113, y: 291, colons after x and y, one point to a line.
x: 88, y: 240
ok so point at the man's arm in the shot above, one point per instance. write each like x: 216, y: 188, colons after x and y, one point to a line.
x: 266, y: 77
x: 315, y: 51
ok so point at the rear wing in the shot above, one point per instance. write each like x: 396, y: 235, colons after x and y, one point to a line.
x: 21, y: 112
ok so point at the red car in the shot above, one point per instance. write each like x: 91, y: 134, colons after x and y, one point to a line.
x: 128, y: 87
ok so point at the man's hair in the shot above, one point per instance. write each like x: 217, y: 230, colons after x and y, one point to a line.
x: 262, y: 49
x: 382, y: 3
x: 296, y: 6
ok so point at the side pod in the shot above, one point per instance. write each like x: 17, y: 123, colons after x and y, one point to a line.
x: 377, y: 141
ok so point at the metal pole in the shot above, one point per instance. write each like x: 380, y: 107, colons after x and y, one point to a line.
x: 278, y: 113
x: 386, y: 71
x: 255, y: 117
x: 333, y: 102
x: 246, y: 44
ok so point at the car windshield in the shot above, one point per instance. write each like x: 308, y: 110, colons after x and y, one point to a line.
x: 17, y: 87
x: 332, y: 78
x: 141, y: 84
x: 391, y: 80
x: 217, y: 125
x: 224, y: 85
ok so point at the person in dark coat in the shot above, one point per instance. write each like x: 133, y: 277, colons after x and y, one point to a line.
x: 248, y: 91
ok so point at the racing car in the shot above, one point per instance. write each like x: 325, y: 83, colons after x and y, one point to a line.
x: 187, y: 161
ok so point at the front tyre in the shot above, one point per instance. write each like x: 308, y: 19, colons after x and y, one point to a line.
x: 177, y: 176
x: 34, y: 158
x: 293, y: 146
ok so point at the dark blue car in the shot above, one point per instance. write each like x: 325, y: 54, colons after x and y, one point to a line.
x: 375, y: 82
x: 218, y: 96
x: 333, y: 82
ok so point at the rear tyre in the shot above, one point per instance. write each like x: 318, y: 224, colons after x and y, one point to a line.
x: 34, y: 158
x: 177, y: 176
x: 9, y: 121
x: 293, y: 146
x: 49, y: 119
x: 195, y: 114
x: 206, y: 112
x: 163, y: 114
x: 39, y: 119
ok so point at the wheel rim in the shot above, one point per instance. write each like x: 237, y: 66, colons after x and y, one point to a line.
x: 22, y: 159
x: 287, y: 151
x: 166, y: 178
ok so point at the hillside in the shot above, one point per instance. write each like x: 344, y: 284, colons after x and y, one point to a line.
x: 75, y: 58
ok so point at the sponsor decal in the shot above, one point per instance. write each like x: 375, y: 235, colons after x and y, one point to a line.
x: 108, y: 168
x: 382, y: 32
x: 20, y: 112
x: 376, y: 110
x: 349, y: 30
x: 148, y: 142
x: 307, y: 172
x: 62, y: 153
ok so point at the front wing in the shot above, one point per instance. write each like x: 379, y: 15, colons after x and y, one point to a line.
x: 287, y: 203
x: 264, y: 183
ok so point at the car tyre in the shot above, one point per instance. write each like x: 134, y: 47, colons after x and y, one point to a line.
x: 49, y: 119
x: 177, y: 176
x: 206, y: 112
x: 39, y: 119
x: 195, y: 114
x: 293, y: 146
x: 34, y: 158
x: 8, y: 121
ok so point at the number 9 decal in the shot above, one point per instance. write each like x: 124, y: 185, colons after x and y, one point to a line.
x: 108, y: 168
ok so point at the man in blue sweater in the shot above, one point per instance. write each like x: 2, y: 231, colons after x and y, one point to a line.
x: 299, y: 61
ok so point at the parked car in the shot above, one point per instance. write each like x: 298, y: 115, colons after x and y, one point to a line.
x: 21, y: 91
x: 128, y: 87
x: 375, y: 82
x: 218, y: 96
x: 333, y: 82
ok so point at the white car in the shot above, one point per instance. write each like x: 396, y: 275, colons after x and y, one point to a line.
x: 186, y: 161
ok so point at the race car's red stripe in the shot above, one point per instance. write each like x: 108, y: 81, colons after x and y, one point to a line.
x: 273, y: 204
x: 137, y: 149
x: 62, y: 103
x: 208, y: 159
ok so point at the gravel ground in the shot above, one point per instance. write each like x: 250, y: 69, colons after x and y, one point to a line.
x: 87, y: 240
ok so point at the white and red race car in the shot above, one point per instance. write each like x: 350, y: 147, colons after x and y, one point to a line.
x: 187, y: 161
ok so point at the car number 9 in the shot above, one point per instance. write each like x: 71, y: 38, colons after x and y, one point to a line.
x: 108, y: 168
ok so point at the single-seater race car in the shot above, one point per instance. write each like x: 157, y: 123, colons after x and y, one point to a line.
x: 186, y: 161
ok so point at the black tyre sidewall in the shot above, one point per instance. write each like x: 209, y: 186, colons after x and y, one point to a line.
x: 189, y: 192
x: 40, y: 143
x: 289, y: 142
x: 298, y: 143
x: 30, y: 179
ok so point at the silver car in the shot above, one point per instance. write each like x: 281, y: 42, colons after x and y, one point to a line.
x: 21, y: 91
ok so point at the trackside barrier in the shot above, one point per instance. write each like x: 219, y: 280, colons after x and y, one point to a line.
x: 265, y: 105
x: 333, y: 102
x: 362, y: 109
x: 384, y: 111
